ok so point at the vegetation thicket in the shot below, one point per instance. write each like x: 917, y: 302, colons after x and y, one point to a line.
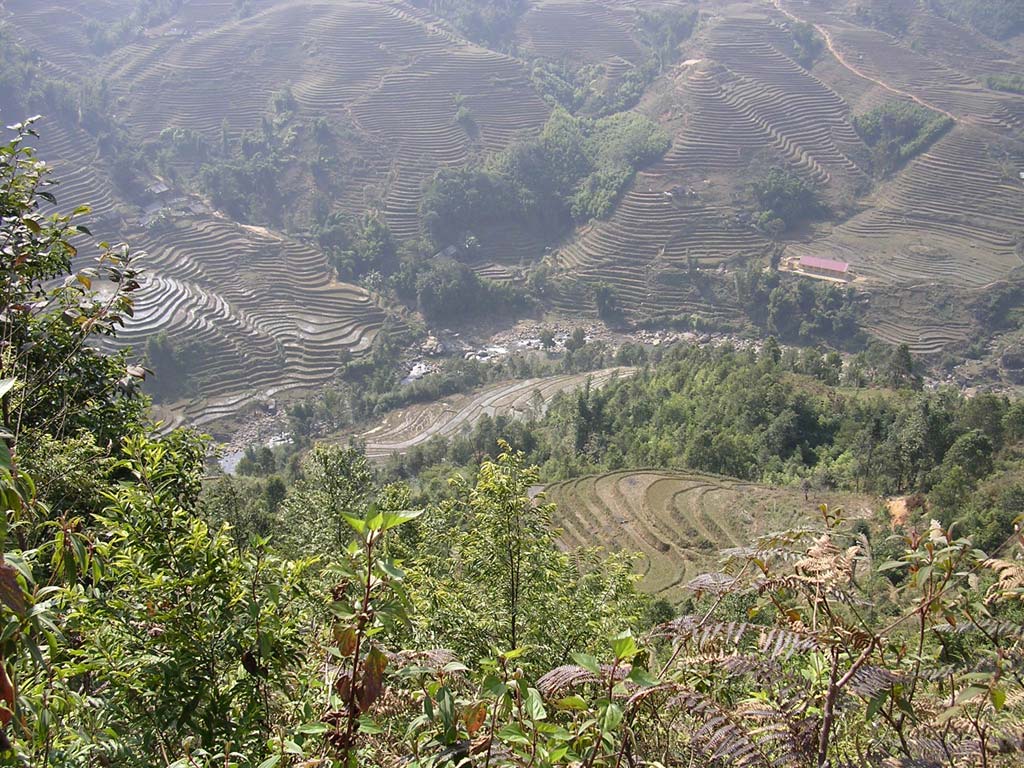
x: 1008, y: 83
x: 897, y: 131
x: 573, y: 171
x: 331, y: 621
x: 1000, y: 19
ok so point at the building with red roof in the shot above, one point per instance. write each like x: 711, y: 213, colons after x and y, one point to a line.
x: 826, y: 267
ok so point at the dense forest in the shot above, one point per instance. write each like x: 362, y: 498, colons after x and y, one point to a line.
x: 342, y: 616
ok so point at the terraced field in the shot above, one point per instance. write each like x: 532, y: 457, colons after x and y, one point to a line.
x: 390, y: 79
x: 261, y: 308
x: 408, y: 427
x: 582, y: 30
x: 742, y: 97
x: 264, y: 309
x: 371, y: 64
x: 678, y: 521
x: 953, y: 216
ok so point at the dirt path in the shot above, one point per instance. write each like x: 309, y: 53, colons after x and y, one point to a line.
x: 899, y: 514
x: 827, y: 36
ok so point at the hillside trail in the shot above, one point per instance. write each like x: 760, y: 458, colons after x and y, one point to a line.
x: 830, y: 44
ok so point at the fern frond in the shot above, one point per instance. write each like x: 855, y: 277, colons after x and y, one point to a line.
x: 718, y: 737
x: 1011, y: 579
x: 715, y: 583
x: 870, y: 681
x: 569, y: 676
x: 706, y: 636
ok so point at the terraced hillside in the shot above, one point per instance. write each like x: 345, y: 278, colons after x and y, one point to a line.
x: 953, y: 218
x: 257, y: 314
x: 576, y: 29
x: 740, y: 99
x: 409, y: 427
x: 955, y: 215
x: 402, y: 95
x: 679, y: 521
x: 264, y: 310
x: 368, y: 65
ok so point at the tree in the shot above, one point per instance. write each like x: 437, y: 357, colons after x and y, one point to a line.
x: 335, y: 482
x: 493, y: 577
x: 547, y: 338
x: 901, y: 368
x: 576, y: 341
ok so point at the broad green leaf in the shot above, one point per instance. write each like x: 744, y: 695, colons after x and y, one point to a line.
x: 970, y: 693
x: 368, y: 725
x: 574, y: 703
x: 998, y: 696
x: 589, y: 663
x: 391, y: 570
x: 535, y: 705
x: 395, y: 519
x: 891, y: 565
x: 357, y: 525
x: 624, y: 646
x: 875, y: 705
x: 611, y: 718
x: 513, y: 734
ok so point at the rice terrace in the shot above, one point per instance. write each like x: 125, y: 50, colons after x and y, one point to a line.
x: 679, y: 521
x: 512, y: 383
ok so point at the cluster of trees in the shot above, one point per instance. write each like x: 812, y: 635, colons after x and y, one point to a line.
x: 1001, y: 19
x: 358, y: 248
x: 784, y: 201
x: 585, y: 89
x: 1009, y: 83
x: 897, y: 131
x: 108, y: 35
x: 489, y: 22
x: 800, y: 310
x: 573, y: 171
x: 860, y: 423
x: 149, y: 620
x: 807, y: 43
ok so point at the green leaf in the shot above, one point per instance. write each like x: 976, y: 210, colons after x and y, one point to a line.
x: 891, y: 565
x: 368, y: 725
x: 589, y: 663
x: 875, y: 705
x: 270, y: 762
x: 970, y: 693
x: 33, y: 225
x: 395, y: 519
x: 642, y: 677
x: 6, y: 385
x: 624, y: 646
x: 513, y: 734
x: 391, y: 570
x: 535, y: 705
x: 611, y: 717
x: 493, y: 686
x: 312, y: 729
x: 515, y: 653
x: 357, y: 525
x: 574, y: 703
x: 998, y: 696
